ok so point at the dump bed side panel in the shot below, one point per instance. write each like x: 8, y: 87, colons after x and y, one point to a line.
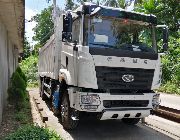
x: 46, y: 64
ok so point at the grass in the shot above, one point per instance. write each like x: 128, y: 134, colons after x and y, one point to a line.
x: 170, y: 88
x: 18, y: 124
x: 31, y: 132
x: 13, y: 118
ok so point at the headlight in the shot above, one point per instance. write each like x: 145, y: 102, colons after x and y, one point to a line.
x: 156, y: 101
x: 90, y: 99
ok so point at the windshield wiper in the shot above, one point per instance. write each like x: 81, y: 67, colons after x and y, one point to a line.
x: 106, y: 45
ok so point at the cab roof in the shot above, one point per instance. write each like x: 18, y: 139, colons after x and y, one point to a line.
x: 87, y: 8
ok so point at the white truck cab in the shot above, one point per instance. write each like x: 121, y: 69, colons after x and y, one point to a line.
x: 105, y: 62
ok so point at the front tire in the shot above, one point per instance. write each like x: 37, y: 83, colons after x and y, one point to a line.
x: 67, y: 113
x: 55, y: 110
x: 130, y: 121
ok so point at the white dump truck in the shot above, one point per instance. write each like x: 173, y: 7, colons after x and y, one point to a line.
x: 102, y: 61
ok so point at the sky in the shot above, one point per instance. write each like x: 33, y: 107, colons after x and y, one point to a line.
x: 32, y: 7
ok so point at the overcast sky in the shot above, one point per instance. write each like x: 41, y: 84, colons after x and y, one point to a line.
x: 32, y: 7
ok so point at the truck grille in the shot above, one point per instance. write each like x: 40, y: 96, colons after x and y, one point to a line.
x: 125, y: 103
x: 111, y: 78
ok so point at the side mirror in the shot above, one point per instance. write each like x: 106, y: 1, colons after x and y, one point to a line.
x: 165, y: 39
x: 67, y: 27
x: 79, y: 13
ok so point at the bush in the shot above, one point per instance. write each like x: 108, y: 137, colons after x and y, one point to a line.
x: 21, y: 74
x: 29, y: 68
x: 170, y: 87
x: 30, y: 132
x: 171, y: 62
x: 171, y: 68
x: 17, y: 89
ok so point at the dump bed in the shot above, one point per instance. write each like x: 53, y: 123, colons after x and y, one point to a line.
x: 47, y: 65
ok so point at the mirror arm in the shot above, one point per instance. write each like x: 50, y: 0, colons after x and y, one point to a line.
x: 165, y: 36
x: 75, y: 48
x: 154, y: 40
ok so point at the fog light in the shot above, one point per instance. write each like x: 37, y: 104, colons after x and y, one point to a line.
x: 156, y: 101
x: 90, y: 107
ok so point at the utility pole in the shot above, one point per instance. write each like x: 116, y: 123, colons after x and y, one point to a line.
x: 57, y: 34
x: 54, y: 12
x: 54, y: 2
x: 54, y: 8
x: 58, y: 27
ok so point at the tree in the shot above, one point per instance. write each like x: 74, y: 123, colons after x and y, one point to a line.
x: 69, y: 5
x: 112, y: 3
x: 44, y: 27
x: 168, y: 12
x: 35, y: 51
x: 118, y: 3
x: 26, y: 48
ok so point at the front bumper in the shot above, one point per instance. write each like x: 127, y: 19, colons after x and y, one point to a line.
x: 114, y: 112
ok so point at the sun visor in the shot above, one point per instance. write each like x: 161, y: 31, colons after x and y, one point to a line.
x: 104, y: 11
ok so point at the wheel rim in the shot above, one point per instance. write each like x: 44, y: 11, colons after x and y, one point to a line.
x: 64, y: 111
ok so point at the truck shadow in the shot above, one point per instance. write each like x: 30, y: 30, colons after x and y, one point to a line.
x: 114, y: 130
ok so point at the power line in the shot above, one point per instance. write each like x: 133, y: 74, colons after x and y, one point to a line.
x: 47, y: 35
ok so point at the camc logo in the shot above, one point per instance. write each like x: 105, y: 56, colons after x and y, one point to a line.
x: 128, y: 78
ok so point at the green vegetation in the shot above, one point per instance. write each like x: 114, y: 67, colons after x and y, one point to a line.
x: 18, y: 114
x: 18, y: 111
x: 44, y: 27
x: 23, y: 116
x: 29, y: 67
x: 171, y: 68
x: 26, y: 48
x: 29, y: 132
x: 43, y: 30
x: 69, y: 5
x: 168, y: 13
x: 15, y: 118
x: 17, y: 90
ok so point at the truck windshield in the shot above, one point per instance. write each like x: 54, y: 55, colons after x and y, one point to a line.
x: 118, y: 33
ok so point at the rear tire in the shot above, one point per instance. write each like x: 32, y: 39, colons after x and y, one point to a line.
x: 40, y: 85
x: 130, y: 121
x: 42, y: 94
x: 66, y: 114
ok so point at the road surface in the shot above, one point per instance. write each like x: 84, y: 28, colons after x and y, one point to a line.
x: 168, y: 100
x: 101, y: 130
x: 115, y: 130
